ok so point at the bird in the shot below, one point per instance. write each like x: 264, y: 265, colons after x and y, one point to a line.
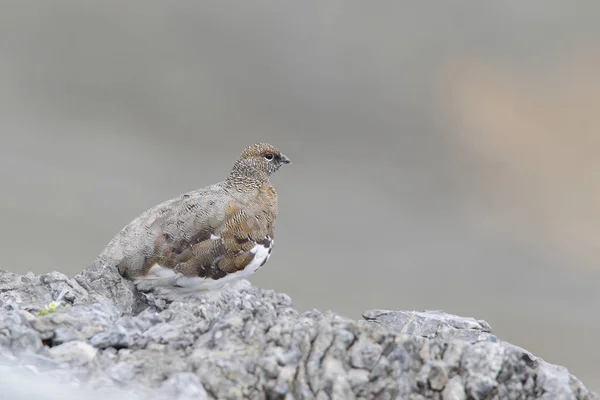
x: 204, y: 239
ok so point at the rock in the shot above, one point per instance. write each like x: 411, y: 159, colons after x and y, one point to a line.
x: 432, y: 324
x: 184, y: 385
x: 104, y: 284
x: 102, y: 336
x: 454, y: 389
x: 481, y: 364
x: 75, y: 353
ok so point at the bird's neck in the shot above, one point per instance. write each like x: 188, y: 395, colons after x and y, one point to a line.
x: 246, y: 179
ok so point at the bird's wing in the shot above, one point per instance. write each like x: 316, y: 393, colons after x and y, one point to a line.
x: 165, y: 233
x: 213, y: 238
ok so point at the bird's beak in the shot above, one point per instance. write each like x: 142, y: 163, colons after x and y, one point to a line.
x: 285, y: 160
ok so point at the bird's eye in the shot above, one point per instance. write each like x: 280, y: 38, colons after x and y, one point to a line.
x: 269, y: 156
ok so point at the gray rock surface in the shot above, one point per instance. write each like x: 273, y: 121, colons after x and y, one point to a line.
x: 106, y: 339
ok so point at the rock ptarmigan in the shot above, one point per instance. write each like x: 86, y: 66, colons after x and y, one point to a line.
x: 205, y: 238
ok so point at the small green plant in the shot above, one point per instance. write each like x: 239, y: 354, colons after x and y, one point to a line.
x: 52, y: 307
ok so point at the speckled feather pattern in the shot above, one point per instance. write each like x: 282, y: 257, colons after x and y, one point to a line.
x: 208, y: 233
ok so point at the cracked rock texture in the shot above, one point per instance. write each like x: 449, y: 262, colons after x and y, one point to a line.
x: 247, y: 343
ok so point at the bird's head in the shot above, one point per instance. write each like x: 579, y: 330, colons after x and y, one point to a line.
x: 258, y: 162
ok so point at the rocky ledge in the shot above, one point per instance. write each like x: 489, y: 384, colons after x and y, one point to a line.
x: 94, y: 336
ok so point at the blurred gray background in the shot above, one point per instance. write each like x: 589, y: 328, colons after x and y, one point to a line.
x: 445, y: 154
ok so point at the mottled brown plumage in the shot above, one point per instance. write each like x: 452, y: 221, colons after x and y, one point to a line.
x: 207, y: 237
